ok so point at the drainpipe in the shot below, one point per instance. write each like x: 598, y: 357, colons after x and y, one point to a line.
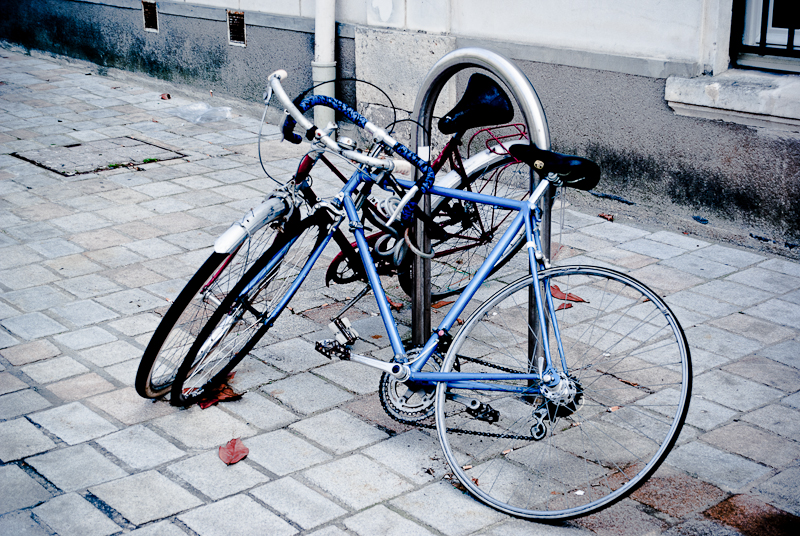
x: 323, y: 68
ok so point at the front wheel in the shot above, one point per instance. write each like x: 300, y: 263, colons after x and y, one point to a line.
x: 235, y: 326
x: 559, y: 453
x: 190, y: 312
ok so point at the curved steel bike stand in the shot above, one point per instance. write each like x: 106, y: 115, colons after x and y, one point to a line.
x: 535, y: 121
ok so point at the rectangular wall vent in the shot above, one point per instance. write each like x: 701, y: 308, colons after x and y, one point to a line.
x: 236, y: 34
x: 150, y: 12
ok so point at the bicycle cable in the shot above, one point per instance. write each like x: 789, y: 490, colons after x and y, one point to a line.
x: 396, y: 121
x: 302, y: 95
x: 267, y: 98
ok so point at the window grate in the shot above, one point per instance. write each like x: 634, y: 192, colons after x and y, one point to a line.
x: 150, y: 12
x: 236, y: 33
x: 763, y: 34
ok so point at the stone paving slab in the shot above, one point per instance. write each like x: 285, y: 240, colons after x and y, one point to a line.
x: 20, y: 439
x: 76, y: 468
x: 236, y: 516
x: 145, y: 497
x: 72, y: 515
x: 90, y: 262
x: 19, y: 490
x: 298, y: 503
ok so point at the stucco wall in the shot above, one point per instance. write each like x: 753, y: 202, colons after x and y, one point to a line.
x: 647, y: 153
x: 187, y: 49
x: 683, y: 31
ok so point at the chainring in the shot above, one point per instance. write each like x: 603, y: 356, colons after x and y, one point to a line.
x: 407, y: 402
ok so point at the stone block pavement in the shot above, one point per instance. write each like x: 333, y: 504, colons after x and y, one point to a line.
x: 89, y: 260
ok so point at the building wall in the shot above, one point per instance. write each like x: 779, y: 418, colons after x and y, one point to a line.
x: 649, y: 154
x: 599, y: 67
x: 191, y: 45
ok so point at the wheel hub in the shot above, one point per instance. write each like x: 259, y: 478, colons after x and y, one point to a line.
x: 564, y: 399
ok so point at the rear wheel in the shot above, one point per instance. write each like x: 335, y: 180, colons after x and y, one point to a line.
x: 466, y: 232
x: 560, y: 453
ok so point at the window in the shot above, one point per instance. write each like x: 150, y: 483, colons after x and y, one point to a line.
x: 150, y: 12
x: 763, y: 34
x: 236, y: 35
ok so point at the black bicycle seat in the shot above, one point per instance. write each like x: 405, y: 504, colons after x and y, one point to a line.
x: 574, y: 171
x: 484, y: 103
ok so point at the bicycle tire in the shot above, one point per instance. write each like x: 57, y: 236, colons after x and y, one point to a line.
x: 237, y: 324
x: 629, y: 367
x: 192, y: 308
x: 472, y: 228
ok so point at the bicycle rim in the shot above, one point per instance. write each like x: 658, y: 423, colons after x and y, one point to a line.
x: 567, y: 455
x: 192, y: 309
x: 220, y: 345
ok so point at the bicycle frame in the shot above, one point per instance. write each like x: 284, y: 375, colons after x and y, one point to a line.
x: 344, y: 207
x: 459, y: 168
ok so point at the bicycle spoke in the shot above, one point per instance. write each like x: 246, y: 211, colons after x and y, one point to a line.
x: 604, y: 434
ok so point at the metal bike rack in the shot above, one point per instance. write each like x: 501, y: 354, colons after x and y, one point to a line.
x: 535, y: 121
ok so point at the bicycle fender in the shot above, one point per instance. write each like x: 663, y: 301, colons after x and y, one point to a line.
x: 270, y: 210
x: 487, y: 157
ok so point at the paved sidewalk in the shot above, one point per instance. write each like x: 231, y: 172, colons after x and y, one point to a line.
x: 89, y: 260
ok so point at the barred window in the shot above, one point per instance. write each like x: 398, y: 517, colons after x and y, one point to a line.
x: 236, y: 32
x: 763, y: 34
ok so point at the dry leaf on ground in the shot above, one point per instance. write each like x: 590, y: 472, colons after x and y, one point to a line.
x: 233, y: 451
x: 557, y: 294
x: 219, y: 394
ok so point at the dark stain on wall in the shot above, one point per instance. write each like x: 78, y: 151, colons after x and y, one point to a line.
x: 646, y: 152
x: 185, y: 50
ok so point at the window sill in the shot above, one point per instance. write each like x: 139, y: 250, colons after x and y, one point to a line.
x: 738, y: 96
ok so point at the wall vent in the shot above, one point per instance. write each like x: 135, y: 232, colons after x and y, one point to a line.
x: 236, y: 34
x: 150, y: 12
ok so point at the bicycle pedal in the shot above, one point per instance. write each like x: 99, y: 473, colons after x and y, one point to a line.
x: 485, y: 412
x: 342, y: 331
x: 331, y: 348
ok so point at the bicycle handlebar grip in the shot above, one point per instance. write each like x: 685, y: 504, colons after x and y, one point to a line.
x: 288, y: 130
x: 321, y: 100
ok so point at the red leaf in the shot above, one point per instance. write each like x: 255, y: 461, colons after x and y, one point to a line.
x: 394, y: 305
x: 227, y: 393
x: 207, y: 403
x: 609, y: 217
x: 233, y: 451
x: 218, y: 394
x: 441, y: 303
x: 557, y: 294
x: 563, y: 306
x: 165, y: 96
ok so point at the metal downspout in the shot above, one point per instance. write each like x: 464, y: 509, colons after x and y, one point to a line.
x: 323, y: 68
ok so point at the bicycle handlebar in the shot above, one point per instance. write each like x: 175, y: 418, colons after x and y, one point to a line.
x: 295, y: 116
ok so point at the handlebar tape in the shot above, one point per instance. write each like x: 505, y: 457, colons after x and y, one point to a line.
x: 323, y: 100
x: 358, y: 119
x: 424, y: 184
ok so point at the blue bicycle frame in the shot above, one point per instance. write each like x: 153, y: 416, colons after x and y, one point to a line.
x: 526, y: 217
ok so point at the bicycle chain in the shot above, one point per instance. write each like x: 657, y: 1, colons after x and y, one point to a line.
x: 490, y: 365
x: 459, y: 430
x: 467, y: 432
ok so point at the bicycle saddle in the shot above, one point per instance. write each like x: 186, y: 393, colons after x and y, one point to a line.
x: 574, y: 171
x: 484, y: 103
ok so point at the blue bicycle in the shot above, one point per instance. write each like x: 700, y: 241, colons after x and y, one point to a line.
x: 558, y: 396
